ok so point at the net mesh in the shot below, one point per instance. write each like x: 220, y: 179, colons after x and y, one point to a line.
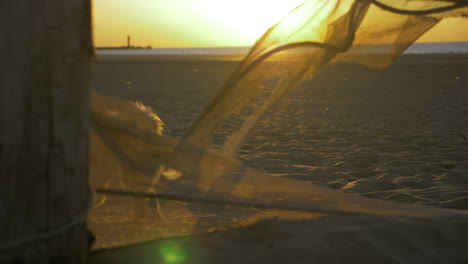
x: 148, y: 185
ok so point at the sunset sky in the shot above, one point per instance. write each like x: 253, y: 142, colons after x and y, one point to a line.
x: 209, y: 23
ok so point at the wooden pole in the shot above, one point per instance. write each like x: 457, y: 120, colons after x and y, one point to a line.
x: 45, y: 53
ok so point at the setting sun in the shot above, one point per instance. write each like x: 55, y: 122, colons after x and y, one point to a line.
x: 247, y: 19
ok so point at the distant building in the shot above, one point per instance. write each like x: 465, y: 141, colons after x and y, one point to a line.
x: 129, y: 46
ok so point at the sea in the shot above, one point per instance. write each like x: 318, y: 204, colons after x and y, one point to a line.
x: 416, y: 48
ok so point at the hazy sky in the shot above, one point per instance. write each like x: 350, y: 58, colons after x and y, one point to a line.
x: 209, y: 23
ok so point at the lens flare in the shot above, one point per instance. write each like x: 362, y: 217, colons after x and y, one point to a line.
x: 172, y: 253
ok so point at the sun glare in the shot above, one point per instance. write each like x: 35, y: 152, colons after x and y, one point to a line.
x: 248, y: 19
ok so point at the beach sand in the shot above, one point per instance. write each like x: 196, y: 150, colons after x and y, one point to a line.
x: 398, y: 134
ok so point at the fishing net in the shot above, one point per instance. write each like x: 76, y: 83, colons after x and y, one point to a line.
x: 148, y: 185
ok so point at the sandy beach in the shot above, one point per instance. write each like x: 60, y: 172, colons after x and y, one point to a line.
x: 398, y: 134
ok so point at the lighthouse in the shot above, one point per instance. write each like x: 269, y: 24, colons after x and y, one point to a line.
x: 128, y: 41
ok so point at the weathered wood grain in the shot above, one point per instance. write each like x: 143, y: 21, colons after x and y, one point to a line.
x: 45, y: 53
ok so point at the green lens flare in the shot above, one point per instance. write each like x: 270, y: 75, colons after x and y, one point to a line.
x: 172, y: 253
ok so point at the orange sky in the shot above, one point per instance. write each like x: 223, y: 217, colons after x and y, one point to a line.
x: 209, y: 23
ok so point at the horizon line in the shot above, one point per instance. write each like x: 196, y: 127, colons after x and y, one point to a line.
x: 221, y: 47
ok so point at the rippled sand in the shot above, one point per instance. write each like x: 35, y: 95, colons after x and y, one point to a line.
x: 399, y: 134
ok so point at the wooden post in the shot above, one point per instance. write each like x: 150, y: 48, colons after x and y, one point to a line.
x: 45, y: 53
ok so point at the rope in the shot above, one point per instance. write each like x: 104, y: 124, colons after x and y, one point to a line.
x: 454, y: 5
x: 19, y: 243
x: 221, y: 201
